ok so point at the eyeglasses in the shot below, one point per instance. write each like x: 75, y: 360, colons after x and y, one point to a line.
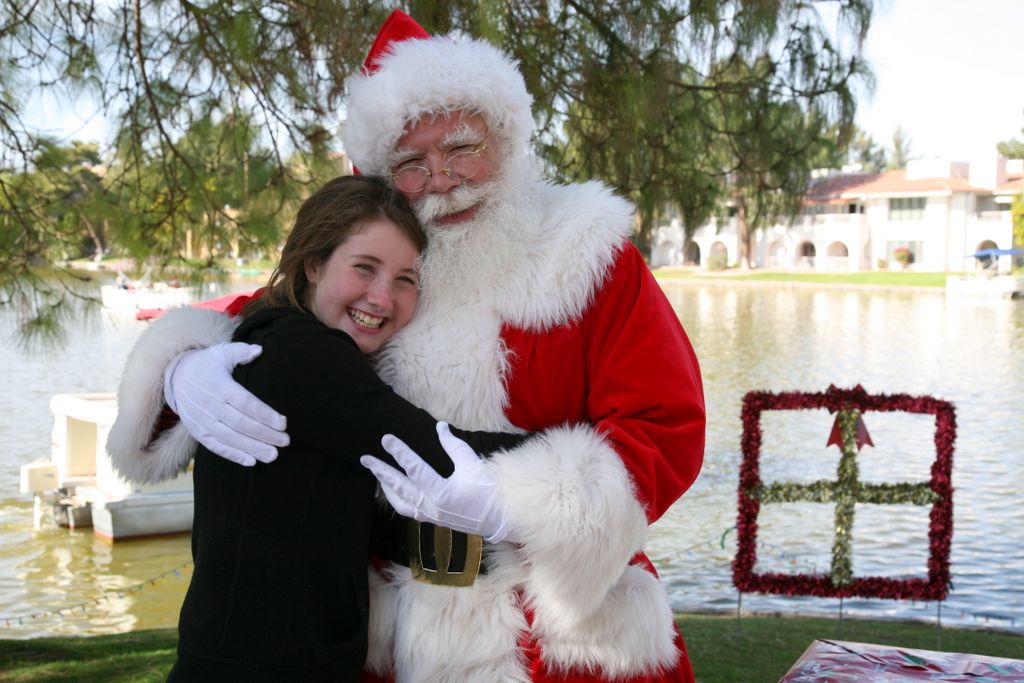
x: 461, y: 163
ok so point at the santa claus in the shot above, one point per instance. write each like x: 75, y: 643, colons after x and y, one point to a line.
x: 537, y: 315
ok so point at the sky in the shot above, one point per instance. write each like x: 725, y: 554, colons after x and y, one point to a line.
x: 949, y: 72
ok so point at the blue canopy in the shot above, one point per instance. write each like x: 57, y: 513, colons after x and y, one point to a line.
x: 995, y: 253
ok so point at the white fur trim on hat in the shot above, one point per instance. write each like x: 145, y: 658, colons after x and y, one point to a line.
x: 140, y: 398
x: 432, y: 76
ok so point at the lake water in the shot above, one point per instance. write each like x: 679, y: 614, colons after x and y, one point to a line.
x: 777, y: 338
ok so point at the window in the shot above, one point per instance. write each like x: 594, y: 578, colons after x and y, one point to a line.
x: 904, y: 252
x: 831, y: 209
x: 906, y: 208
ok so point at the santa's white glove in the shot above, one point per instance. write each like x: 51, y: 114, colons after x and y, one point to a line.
x: 467, y: 501
x: 217, y: 411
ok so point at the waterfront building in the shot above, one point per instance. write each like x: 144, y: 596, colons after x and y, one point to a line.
x: 930, y: 216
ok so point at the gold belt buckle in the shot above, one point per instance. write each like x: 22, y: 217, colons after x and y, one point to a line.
x: 444, y: 575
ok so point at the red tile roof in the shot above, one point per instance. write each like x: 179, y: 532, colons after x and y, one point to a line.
x: 831, y: 190
x: 845, y: 189
x: 896, y: 181
x: 1015, y: 183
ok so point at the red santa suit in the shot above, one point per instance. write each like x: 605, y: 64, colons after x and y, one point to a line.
x: 543, y: 319
x: 572, y: 338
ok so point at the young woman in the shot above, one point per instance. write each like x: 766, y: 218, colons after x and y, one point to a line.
x: 280, y: 591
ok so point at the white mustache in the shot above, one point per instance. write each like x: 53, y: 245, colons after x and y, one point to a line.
x: 433, y: 206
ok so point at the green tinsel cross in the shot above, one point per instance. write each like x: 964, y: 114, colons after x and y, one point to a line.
x: 846, y: 491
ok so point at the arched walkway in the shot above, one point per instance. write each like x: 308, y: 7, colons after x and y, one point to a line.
x: 986, y: 261
x: 692, y: 254
x: 805, y: 254
x: 837, y: 256
x: 777, y: 255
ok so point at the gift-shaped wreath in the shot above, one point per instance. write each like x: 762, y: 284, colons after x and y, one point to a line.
x: 850, y: 434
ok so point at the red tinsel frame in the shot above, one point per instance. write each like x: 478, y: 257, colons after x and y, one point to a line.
x: 940, y: 531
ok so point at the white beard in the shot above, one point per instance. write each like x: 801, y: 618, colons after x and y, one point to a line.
x: 477, y: 255
x: 531, y: 258
x: 449, y: 359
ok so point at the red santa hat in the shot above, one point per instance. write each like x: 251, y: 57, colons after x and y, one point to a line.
x: 409, y: 73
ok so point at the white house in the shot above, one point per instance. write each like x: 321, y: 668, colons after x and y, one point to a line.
x: 939, y: 211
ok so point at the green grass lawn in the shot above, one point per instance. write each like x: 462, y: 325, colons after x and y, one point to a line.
x: 136, y: 656
x: 756, y: 649
x: 885, y: 278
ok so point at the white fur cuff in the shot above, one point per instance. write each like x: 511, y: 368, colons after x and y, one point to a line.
x: 632, y: 633
x: 572, y: 505
x: 140, y: 397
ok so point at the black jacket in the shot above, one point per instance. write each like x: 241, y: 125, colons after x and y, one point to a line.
x: 279, y: 591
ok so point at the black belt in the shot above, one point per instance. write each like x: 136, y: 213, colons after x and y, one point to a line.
x: 435, y: 555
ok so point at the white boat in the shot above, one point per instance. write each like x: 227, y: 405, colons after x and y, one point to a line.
x: 78, y: 487
x: 160, y: 295
x: 995, y: 278
x: 986, y: 285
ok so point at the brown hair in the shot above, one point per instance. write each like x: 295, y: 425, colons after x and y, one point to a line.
x: 340, y: 208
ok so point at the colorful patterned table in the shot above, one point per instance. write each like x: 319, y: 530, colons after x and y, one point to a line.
x: 836, y: 661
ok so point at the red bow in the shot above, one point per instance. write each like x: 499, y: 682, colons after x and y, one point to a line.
x: 836, y: 437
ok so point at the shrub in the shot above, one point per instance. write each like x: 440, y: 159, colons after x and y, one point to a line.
x: 717, y: 262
